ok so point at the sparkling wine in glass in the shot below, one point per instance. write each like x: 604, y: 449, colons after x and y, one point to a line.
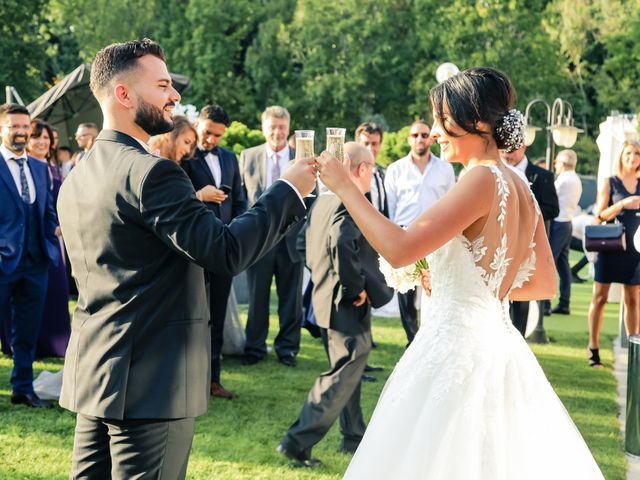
x: 304, y: 143
x: 335, y: 142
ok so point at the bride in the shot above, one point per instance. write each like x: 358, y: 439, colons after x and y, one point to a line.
x: 468, y: 399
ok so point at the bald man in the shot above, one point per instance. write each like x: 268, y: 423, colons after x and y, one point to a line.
x: 346, y: 284
x: 569, y: 188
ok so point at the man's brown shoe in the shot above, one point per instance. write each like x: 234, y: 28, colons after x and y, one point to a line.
x: 218, y: 390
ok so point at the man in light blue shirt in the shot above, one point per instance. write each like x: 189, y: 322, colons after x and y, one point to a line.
x: 413, y: 184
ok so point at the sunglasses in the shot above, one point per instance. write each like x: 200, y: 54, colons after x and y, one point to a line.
x: 423, y: 135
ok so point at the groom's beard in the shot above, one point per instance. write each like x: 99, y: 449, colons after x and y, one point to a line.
x: 151, y: 118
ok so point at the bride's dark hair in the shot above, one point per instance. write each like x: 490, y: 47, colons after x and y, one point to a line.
x: 478, y: 94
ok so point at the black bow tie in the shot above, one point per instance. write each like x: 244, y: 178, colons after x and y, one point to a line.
x: 213, y: 151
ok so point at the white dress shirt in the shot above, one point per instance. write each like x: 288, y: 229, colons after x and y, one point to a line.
x: 569, y: 189
x: 213, y: 162
x: 283, y: 161
x: 410, y: 191
x: 14, y: 168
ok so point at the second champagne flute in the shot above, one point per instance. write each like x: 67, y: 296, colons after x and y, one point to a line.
x: 335, y: 142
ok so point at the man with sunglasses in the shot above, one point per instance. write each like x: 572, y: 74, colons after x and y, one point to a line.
x: 413, y: 184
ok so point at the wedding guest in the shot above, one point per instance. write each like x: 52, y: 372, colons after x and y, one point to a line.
x: 30, y: 244
x: 369, y: 135
x: 136, y: 368
x: 569, y: 188
x: 56, y: 323
x: 178, y: 144
x: 85, y: 136
x: 346, y: 280
x: 260, y: 166
x: 543, y: 188
x: 413, y: 184
x: 618, y: 199
x: 63, y: 156
x: 215, y: 175
x: 55, y: 142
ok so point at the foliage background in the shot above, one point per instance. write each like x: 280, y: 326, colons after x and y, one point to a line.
x: 343, y: 62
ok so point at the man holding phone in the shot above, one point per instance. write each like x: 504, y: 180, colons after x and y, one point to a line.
x: 215, y: 176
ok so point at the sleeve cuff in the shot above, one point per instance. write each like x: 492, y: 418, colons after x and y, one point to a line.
x: 294, y: 189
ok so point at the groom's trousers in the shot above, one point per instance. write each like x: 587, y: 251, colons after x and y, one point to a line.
x: 336, y: 393
x: 131, y: 449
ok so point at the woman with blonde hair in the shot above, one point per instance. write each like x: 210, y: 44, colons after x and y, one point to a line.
x: 618, y: 199
x: 177, y: 144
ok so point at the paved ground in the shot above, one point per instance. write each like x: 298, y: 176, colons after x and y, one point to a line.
x: 620, y: 372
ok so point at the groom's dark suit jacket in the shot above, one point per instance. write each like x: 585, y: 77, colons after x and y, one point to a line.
x: 138, y: 239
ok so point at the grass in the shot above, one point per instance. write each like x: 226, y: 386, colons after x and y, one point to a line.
x: 236, y: 440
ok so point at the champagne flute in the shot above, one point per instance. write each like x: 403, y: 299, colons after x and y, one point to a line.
x: 304, y: 143
x: 335, y: 142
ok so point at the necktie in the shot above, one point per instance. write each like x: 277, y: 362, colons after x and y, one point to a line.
x: 26, y: 198
x: 275, y: 169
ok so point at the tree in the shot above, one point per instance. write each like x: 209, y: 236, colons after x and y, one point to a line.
x: 23, y: 48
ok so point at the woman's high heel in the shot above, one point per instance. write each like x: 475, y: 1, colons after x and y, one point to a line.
x: 594, y: 359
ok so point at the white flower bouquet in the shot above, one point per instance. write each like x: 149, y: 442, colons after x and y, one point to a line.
x: 405, y: 278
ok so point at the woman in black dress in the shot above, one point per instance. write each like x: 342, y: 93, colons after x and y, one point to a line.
x: 618, y: 199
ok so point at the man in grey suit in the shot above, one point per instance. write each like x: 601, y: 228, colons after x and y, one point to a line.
x: 346, y: 282
x: 136, y: 370
x: 259, y: 167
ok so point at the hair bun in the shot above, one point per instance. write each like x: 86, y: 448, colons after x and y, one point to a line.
x: 509, y: 132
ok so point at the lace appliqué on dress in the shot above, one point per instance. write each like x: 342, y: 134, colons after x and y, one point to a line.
x: 500, y: 262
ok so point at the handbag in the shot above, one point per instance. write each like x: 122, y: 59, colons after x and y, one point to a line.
x: 606, y: 237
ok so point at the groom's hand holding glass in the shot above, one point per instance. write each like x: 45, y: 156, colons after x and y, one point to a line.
x: 302, y: 175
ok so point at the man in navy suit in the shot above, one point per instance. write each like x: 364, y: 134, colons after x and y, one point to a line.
x: 28, y: 227
x: 215, y: 176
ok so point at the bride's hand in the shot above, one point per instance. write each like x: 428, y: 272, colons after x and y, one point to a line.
x: 333, y: 174
x: 425, y: 281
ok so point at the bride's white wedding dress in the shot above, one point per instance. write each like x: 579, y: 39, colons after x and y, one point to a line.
x: 468, y: 400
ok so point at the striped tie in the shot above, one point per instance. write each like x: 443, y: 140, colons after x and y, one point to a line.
x: 26, y: 198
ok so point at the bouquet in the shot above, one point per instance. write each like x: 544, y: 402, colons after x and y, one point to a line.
x: 405, y: 278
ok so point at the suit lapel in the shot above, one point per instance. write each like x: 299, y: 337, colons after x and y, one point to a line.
x: 530, y: 173
x: 6, y: 176
x: 222, y: 158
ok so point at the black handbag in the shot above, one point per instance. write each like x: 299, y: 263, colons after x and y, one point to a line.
x: 605, y: 238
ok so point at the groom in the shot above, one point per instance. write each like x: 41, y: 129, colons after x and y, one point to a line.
x: 346, y: 282
x: 136, y: 370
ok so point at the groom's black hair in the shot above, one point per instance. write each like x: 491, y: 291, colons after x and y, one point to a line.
x: 117, y: 58
x: 478, y: 94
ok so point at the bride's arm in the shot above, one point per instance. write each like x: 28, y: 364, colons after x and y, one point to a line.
x: 465, y: 203
x: 543, y: 282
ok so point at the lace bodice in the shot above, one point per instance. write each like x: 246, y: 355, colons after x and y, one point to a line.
x: 507, y: 238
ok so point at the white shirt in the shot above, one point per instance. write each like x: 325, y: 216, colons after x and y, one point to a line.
x: 522, y: 166
x: 377, y: 194
x: 213, y: 162
x: 14, y: 168
x: 144, y: 145
x: 283, y: 161
x: 410, y: 191
x: 569, y: 189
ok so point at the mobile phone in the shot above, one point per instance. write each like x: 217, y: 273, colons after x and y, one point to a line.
x: 225, y: 188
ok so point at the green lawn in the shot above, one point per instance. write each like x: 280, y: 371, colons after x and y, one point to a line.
x: 237, y: 439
